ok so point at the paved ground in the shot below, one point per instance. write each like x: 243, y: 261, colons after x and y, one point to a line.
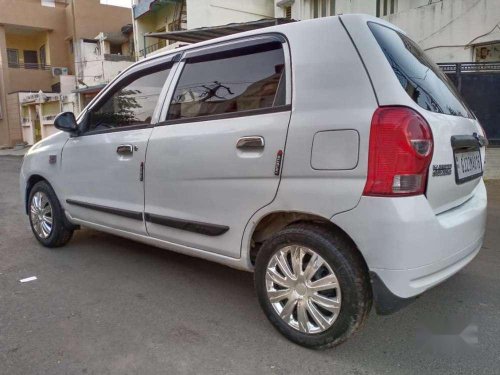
x: 105, y: 305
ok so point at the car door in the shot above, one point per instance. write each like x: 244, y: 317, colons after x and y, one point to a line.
x: 102, y: 168
x: 215, y: 159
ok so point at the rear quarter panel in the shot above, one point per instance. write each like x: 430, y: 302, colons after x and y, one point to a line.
x: 330, y: 91
x: 442, y: 192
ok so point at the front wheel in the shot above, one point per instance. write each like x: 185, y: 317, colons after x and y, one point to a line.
x: 46, y: 216
x: 312, y: 285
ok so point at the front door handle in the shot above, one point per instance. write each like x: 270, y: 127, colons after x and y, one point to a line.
x: 250, y: 143
x: 125, y: 150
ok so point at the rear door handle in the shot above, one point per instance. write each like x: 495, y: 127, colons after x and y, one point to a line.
x: 125, y: 150
x: 250, y: 143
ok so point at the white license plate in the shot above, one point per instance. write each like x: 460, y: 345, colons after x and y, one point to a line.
x: 468, y: 166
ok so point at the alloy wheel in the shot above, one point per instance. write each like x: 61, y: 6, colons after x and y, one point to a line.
x: 41, y: 215
x: 303, y: 289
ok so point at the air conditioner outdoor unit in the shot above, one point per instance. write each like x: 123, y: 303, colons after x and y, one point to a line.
x: 59, y: 71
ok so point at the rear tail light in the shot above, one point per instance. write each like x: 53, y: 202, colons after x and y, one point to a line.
x: 400, y: 153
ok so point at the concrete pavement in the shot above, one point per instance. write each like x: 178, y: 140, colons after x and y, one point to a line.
x: 106, y: 305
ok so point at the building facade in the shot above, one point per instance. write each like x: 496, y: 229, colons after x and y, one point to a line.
x: 448, y: 30
x: 42, y: 48
x: 152, y: 16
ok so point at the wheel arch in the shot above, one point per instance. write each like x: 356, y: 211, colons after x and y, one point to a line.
x: 30, y: 182
x: 272, y: 222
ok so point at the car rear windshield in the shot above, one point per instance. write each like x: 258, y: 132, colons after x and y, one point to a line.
x: 423, y: 81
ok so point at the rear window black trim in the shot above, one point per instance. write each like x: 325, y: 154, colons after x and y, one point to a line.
x: 243, y: 48
x: 458, y: 96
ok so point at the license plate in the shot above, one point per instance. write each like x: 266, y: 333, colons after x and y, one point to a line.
x: 468, y: 166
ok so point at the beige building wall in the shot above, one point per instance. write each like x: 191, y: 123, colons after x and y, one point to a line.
x: 27, y: 25
x: 43, y: 25
x: 92, y: 17
x: 13, y: 116
x: 5, y: 138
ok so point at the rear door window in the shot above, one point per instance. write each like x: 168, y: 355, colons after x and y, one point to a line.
x: 239, y: 80
x: 422, y: 79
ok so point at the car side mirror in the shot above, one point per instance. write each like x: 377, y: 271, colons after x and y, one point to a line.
x: 66, y: 122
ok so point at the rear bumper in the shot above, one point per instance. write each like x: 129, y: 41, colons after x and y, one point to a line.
x: 408, y: 247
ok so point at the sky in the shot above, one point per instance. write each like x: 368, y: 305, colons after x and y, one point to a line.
x: 121, y: 3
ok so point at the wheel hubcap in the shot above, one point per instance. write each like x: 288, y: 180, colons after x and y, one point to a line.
x: 41, y: 214
x: 303, y: 289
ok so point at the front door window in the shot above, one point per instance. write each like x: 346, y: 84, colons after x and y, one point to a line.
x: 131, y: 103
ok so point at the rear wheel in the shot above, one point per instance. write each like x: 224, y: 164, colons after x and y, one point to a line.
x: 312, y: 285
x: 47, y: 217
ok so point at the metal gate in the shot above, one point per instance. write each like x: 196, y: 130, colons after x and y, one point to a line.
x: 479, y: 85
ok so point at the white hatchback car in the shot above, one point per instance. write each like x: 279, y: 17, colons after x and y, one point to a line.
x: 331, y: 157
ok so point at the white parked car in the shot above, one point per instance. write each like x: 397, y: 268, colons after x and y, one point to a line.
x: 331, y: 157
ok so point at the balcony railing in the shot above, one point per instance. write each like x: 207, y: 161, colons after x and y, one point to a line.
x: 469, y: 67
x: 49, y: 118
x: 153, y: 47
x: 115, y: 57
x: 35, y: 66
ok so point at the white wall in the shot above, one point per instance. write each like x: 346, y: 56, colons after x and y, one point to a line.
x: 94, y: 69
x: 201, y: 13
x: 67, y: 84
x: 445, y: 27
x: 302, y: 9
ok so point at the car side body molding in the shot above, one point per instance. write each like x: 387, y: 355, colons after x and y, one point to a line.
x: 110, y: 210
x: 187, y: 225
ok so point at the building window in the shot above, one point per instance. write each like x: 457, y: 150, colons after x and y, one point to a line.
x: 322, y: 8
x: 30, y: 59
x: 385, y: 7
x: 288, y: 12
x: 43, y: 56
x: 13, y: 58
x: 115, y: 49
x: 56, y: 87
x: 49, y: 3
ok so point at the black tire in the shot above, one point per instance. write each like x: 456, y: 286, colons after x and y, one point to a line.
x: 61, y: 232
x: 347, y: 264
